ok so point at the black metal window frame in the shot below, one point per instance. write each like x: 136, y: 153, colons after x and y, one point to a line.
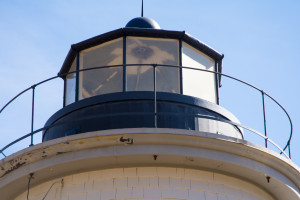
x: 124, y: 86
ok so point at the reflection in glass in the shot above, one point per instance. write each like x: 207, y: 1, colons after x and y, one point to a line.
x: 140, y: 78
x: 71, y: 85
x: 198, y: 83
x: 106, y: 80
x: 102, y: 81
x: 141, y: 50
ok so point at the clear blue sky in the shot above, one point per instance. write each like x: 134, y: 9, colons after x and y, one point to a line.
x: 260, y: 41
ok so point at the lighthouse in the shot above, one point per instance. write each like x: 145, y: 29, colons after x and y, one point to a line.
x: 142, y: 120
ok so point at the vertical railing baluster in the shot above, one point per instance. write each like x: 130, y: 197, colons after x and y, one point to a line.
x: 124, y: 65
x: 155, y: 98
x: 2, y: 153
x: 32, y: 114
x: 289, y: 146
x: 180, y: 67
x: 264, y: 114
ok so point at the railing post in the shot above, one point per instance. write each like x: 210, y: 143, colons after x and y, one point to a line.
x: 32, y: 115
x: 155, y: 99
x: 124, y: 65
x: 264, y: 114
x: 289, y: 146
x: 3, y: 153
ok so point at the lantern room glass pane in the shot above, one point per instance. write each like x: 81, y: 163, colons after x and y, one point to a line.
x: 140, y: 78
x: 199, y: 84
x: 141, y: 50
x: 71, y: 85
x: 103, y: 80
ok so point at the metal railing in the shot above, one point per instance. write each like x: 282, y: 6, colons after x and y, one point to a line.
x: 155, y: 113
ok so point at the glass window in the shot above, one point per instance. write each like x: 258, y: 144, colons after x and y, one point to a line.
x: 198, y: 83
x: 140, y: 50
x: 140, y: 78
x: 106, y: 80
x: 71, y: 85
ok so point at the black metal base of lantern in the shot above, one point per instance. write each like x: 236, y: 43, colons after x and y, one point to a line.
x: 133, y: 110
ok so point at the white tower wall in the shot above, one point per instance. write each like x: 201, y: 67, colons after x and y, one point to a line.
x: 147, y: 183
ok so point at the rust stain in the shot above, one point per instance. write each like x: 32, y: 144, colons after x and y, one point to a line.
x: 11, y: 162
x: 19, y: 164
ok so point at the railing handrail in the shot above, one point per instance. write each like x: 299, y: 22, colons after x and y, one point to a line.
x: 154, y: 66
x: 203, y: 116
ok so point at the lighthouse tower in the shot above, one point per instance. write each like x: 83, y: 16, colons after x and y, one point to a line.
x: 142, y: 120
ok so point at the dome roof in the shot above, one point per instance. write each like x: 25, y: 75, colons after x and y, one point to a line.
x: 142, y: 22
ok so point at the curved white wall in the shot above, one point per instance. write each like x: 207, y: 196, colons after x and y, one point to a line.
x: 147, y: 183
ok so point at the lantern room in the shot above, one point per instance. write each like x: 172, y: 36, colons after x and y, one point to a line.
x: 131, y: 52
x: 140, y: 76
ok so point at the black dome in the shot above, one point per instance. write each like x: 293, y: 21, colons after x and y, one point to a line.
x: 142, y: 22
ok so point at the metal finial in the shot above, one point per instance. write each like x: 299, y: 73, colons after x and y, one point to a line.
x: 142, y: 14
